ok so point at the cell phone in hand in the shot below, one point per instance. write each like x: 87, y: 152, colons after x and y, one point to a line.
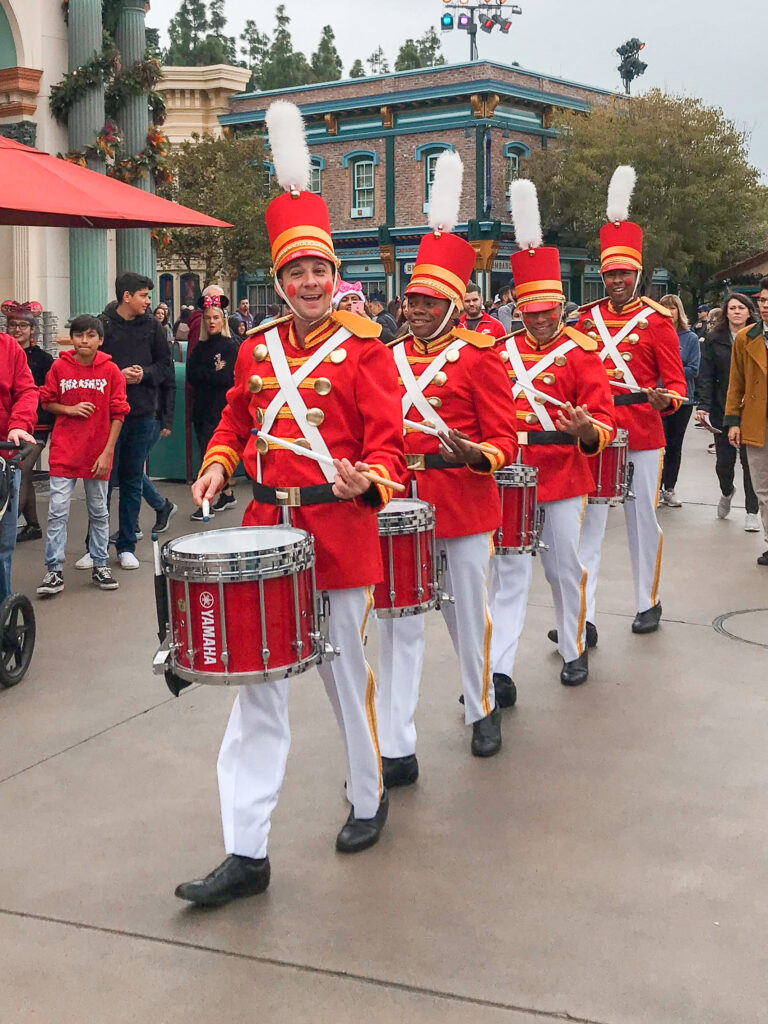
x: 357, y: 306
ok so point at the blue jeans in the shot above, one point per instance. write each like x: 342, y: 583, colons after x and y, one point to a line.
x: 58, y: 514
x: 131, y: 452
x: 8, y: 537
x: 149, y: 492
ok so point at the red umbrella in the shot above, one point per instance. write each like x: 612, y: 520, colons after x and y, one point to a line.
x: 42, y: 190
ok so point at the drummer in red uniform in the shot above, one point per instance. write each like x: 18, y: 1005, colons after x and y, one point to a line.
x: 322, y: 379
x: 452, y: 381
x: 639, y: 348
x: 548, y: 359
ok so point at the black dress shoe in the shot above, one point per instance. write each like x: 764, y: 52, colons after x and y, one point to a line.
x: 31, y: 531
x: 763, y: 559
x: 359, y: 833
x: 399, y: 771
x: 574, y: 673
x: 591, y: 635
x: 235, y: 877
x: 506, y: 691
x: 647, y: 621
x: 486, y: 735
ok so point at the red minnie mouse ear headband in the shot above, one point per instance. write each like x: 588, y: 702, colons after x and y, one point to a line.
x: 211, y: 300
x: 12, y: 308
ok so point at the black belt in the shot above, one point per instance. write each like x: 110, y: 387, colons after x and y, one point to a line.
x: 549, y: 437
x: 419, y: 462
x: 633, y: 398
x: 292, y: 497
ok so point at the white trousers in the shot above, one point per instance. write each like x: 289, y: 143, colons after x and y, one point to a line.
x: 254, y: 750
x: 567, y: 578
x: 643, y: 533
x: 401, y: 646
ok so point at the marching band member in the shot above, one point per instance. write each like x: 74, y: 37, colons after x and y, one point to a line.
x: 545, y: 359
x: 320, y: 378
x: 450, y: 380
x: 638, y: 347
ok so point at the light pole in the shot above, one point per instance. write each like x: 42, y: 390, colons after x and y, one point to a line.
x: 460, y: 14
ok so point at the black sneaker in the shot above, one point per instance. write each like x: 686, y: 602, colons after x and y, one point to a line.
x: 31, y: 531
x: 197, y: 517
x: 223, y: 502
x: 103, y: 578
x: 164, y: 516
x: 763, y: 559
x: 53, y: 583
x: 113, y: 536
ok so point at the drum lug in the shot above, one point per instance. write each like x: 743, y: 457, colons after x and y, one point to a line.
x: 629, y: 494
x: 540, y: 545
x: 320, y: 638
x: 440, y: 595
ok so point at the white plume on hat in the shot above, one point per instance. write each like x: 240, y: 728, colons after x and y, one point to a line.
x: 620, y: 193
x: 288, y: 142
x: 525, y: 214
x: 445, y: 194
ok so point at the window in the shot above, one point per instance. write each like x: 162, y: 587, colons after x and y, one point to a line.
x: 513, y: 166
x: 591, y: 291
x: 261, y: 297
x: 362, y: 187
x: 429, y: 176
x: 514, y: 152
x: 316, y: 174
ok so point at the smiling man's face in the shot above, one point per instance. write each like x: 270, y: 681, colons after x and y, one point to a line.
x: 308, y: 284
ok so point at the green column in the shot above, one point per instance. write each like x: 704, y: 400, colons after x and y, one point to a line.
x: 88, y: 288
x: 134, y: 247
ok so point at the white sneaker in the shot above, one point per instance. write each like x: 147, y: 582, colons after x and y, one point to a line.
x: 662, y: 497
x: 724, y: 505
x: 752, y: 523
x: 128, y: 560
x: 86, y: 562
x: 671, y: 500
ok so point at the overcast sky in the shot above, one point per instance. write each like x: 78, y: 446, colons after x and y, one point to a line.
x: 705, y: 48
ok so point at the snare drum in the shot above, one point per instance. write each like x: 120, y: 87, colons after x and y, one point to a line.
x: 611, y: 472
x: 520, y: 525
x: 242, y: 605
x: 407, y: 538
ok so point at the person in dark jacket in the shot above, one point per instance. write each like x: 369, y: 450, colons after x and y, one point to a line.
x: 210, y: 374
x: 676, y: 424
x: 21, y: 324
x: 163, y: 425
x: 137, y: 343
x: 382, y: 317
x: 712, y: 384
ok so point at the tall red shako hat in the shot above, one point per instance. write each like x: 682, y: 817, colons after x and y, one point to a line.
x: 535, y: 267
x: 445, y: 262
x: 297, y: 221
x: 621, y: 241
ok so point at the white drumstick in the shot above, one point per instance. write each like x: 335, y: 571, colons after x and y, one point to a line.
x: 433, y: 432
x: 561, y: 405
x: 206, y: 510
x: 644, y: 391
x: 323, y: 459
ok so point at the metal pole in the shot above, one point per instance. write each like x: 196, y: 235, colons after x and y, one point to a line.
x: 474, y: 53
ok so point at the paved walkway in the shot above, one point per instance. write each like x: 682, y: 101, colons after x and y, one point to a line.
x: 608, y: 866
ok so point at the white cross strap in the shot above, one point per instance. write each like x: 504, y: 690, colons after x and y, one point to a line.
x: 525, y: 376
x: 288, y: 392
x: 414, y: 389
x: 611, y: 342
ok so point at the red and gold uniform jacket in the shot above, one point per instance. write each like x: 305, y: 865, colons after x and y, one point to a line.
x: 469, y: 394
x: 651, y: 352
x: 353, y: 396
x: 574, y: 375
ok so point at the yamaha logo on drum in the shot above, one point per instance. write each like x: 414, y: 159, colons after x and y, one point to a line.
x: 207, y: 622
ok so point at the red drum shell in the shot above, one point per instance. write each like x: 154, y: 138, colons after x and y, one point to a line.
x: 235, y: 593
x: 519, y: 531
x: 610, y: 470
x: 407, y: 538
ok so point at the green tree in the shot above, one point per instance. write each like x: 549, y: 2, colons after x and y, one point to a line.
x: 227, y: 179
x: 378, y: 63
x: 698, y: 198
x: 186, y: 32
x: 255, y: 49
x: 284, y: 67
x: 357, y: 70
x: 420, y: 53
x: 326, y: 62
x: 217, y: 21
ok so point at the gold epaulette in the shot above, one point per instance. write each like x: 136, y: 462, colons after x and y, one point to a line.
x: 588, y: 344
x: 270, y: 323
x: 589, y: 305
x: 358, y: 325
x: 474, y: 338
x: 656, y: 307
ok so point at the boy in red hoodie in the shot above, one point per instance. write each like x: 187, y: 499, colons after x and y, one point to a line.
x: 86, y: 392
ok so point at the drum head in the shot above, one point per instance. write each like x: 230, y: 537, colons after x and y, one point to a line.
x: 237, y: 541
x: 396, y: 505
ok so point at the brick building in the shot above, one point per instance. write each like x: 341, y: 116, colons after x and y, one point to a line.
x: 374, y: 142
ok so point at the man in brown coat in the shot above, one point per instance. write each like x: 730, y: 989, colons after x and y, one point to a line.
x: 746, y: 407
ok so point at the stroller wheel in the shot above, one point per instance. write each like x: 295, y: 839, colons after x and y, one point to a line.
x: 17, y: 638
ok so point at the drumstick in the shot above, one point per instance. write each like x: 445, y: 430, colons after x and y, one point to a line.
x: 561, y: 405
x: 486, y: 449
x: 325, y: 460
x: 638, y: 390
x: 206, y: 510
